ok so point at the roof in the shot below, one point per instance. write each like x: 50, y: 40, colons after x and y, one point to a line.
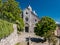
x: 35, y: 15
x: 32, y: 12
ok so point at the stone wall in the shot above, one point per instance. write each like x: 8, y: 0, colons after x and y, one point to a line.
x: 11, y: 39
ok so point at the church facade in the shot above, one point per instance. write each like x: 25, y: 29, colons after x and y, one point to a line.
x: 30, y: 19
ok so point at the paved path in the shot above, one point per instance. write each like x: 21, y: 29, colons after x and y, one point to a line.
x: 24, y: 36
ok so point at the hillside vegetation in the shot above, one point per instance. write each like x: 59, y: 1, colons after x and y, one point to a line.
x: 11, y: 12
x: 6, y: 28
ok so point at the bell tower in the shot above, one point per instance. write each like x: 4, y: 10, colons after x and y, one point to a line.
x: 29, y: 7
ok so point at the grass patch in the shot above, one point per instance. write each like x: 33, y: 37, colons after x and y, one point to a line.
x: 6, y: 28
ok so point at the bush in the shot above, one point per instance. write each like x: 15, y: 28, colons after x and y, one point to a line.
x: 6, y: 28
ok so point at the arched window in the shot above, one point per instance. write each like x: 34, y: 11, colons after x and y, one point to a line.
x: 26, y: 18
x: 26, y: 12
x: 35, y: 20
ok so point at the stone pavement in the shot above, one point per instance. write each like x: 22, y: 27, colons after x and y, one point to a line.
x: 35, y: 40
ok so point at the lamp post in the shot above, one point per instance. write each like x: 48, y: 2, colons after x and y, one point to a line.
x: 29, y: 37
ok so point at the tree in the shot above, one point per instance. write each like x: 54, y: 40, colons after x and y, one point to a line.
x: 0, y: 6
x: 45, y: 28
x: 12, y: 13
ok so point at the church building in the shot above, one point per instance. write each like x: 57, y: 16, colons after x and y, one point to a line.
x: 30, y: 19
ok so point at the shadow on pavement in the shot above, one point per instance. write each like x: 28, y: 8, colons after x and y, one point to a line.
x: 37, y: 40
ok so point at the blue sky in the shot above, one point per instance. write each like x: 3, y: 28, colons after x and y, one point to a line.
x: 43, y: 7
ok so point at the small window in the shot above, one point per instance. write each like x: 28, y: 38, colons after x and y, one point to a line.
x: 26, y: 18
x: 35, y: 20
x: 26, y: 12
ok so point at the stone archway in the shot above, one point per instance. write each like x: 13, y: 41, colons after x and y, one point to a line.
x: 26, y: 27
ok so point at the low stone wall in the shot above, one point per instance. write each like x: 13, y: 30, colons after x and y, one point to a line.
x: 12, y: 39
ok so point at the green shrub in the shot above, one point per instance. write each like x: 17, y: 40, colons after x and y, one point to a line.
x: 6, y: 28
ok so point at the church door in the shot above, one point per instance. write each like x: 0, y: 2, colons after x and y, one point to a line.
x: 26, y: 29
